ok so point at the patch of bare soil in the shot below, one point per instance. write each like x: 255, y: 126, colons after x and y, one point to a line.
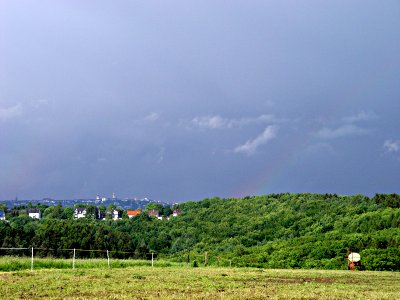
x: 289, y: 280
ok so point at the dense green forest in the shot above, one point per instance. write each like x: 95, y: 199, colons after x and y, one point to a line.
x: 271, y: 231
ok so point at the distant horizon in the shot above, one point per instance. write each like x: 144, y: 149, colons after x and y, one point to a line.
x: 78, y: 198
x: 158, y: 200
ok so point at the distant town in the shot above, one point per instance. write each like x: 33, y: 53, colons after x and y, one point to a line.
x: 124, y: 203
x: 101, y: 208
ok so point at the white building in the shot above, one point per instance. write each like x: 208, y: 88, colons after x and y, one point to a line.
x: 34, y: 213
x: 80, y: 212
x: 116, y: 214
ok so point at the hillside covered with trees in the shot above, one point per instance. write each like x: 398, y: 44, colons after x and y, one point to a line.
x: 271, y: 231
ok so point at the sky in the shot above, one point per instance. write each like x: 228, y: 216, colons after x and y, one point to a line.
x: 186, y: 100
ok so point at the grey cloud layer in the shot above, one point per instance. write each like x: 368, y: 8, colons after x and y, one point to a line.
x: 182, y: 100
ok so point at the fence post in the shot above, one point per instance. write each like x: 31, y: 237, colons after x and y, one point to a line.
x: 108, y: 260
x: 152, y: 259
x: 73, y: 261
x: 32, y: 260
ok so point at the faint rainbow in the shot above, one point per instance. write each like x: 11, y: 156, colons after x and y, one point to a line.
x: 264, y: 178
x: 267, y: 174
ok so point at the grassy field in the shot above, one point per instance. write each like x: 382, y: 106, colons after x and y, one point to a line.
x: 174, y: 282
x: 13, y: 263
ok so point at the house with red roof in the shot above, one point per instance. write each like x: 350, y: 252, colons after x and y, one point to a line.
x: 133, y: 213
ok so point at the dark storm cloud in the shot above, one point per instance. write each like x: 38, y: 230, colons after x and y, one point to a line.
x: 183, y: 100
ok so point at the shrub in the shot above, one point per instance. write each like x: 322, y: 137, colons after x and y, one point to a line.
x: 381, y: 259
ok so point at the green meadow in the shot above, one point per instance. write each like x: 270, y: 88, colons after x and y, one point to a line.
x: 92, y: 279
x: 14, y: 263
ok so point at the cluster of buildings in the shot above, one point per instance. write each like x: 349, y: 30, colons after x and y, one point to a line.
x: 82, y: 212
x: 151, y: 213
x: 34, y: 213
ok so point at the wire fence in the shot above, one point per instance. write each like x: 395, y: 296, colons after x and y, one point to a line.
x: 187, y: 258
x: 31, y: 251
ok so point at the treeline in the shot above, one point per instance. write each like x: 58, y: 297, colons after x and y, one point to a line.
x: 272, y: 231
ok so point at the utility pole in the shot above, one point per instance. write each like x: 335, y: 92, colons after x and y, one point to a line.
x: 32, y: 260
x: 188, y: 257
x: 73, y: 261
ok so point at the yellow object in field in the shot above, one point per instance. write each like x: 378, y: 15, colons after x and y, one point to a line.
x: 354, y: 257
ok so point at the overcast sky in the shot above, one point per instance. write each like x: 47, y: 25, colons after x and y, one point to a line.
x: 183, y: 100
